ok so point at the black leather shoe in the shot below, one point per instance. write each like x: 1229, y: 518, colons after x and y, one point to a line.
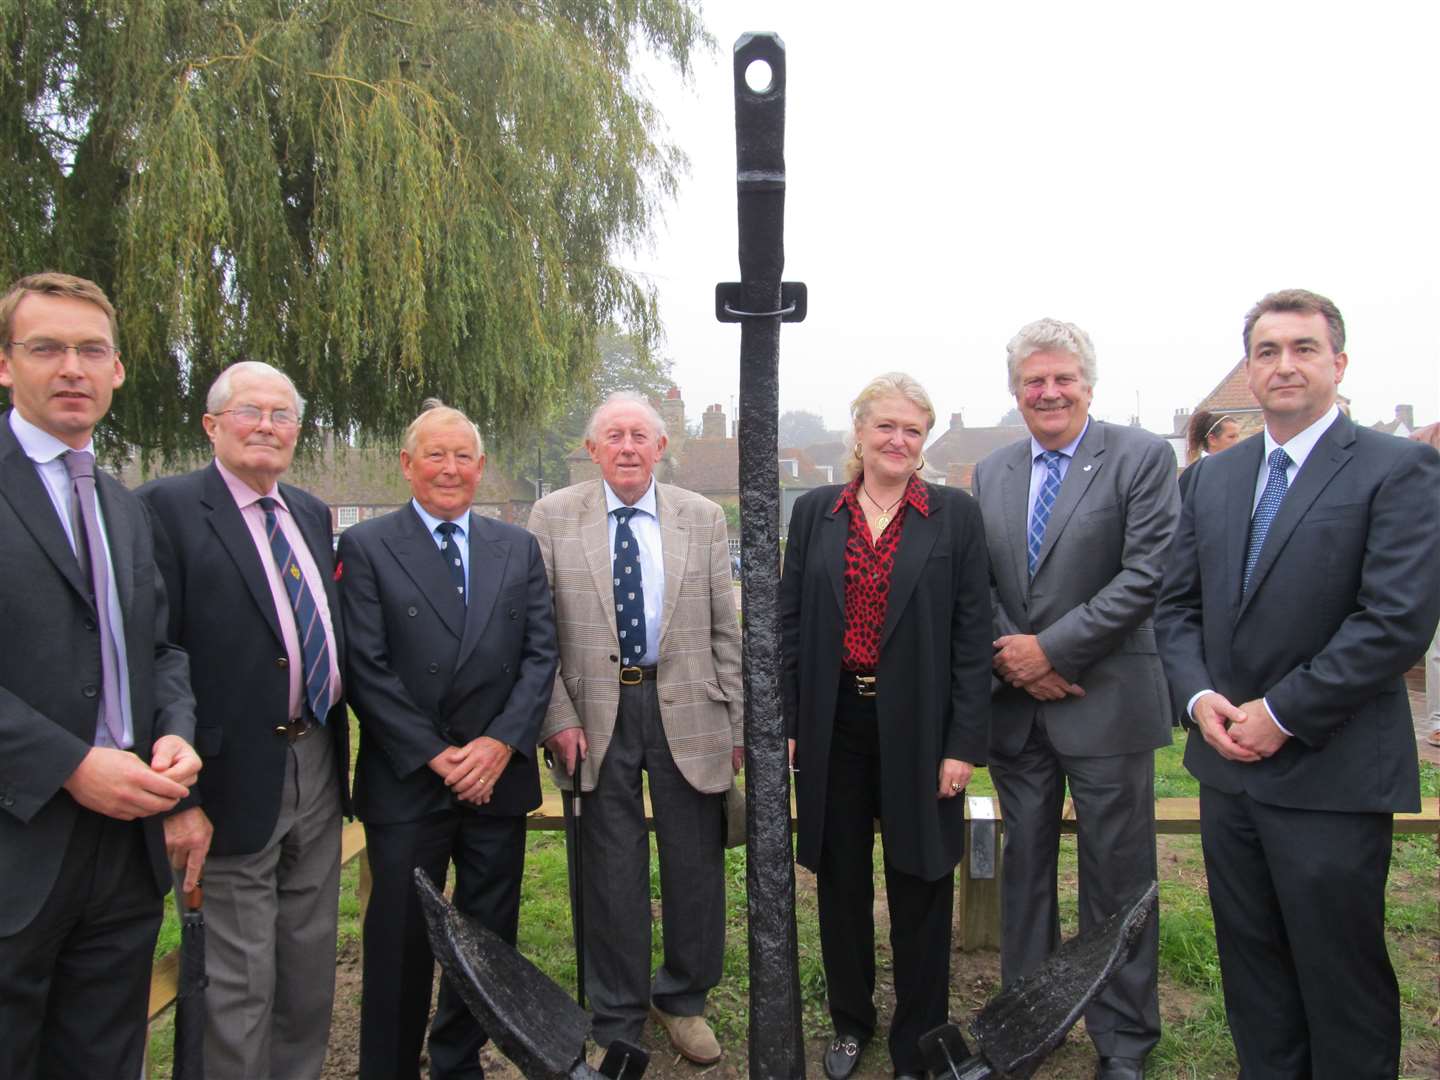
x: 842, y: 1055
x: 1120, y: 1068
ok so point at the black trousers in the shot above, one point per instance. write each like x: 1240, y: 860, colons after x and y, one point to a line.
x: 74, y: 983
x: 920, y: 911
x: 489, y: 857
x: 1299, y: 904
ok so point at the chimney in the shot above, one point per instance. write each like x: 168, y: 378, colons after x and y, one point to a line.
x: 1406, y: 415
x: 672, y: 411
x: 712, y: 423
x: 1182, y: 421
x: 957, y: 420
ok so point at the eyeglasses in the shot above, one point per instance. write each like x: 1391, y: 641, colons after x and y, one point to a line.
x: 249, y: 416
x: 45, y: 350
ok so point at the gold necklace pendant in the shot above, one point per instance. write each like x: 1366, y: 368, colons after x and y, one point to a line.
x: 883, y: 520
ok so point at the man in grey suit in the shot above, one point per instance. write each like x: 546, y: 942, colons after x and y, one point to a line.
x: 1303, y: 583
x: 96, y: 717
x: 649, y: 680
x: 1078, y: 517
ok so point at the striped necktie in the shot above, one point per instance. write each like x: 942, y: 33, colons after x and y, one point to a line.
x: 313, y: 648
x: 1044, y: 503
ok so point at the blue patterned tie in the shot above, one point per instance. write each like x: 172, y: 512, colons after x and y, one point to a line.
x: 313, y: 649
x: 1275, y: 487
x: 629, y: 590
x: 1044, y: 503
x: 450, y: 549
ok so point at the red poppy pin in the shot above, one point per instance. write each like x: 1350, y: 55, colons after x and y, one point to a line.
x: 339, y: 570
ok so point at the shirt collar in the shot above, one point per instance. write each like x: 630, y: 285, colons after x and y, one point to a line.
x: 39, y: 445
x: 243, y: 494
x: 1299, y: 446
x: 1068, y: 449
x: 645, y: 504
x: 462, y: 522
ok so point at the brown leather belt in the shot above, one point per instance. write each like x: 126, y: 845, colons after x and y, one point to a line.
x: 296, y: 729
x: 634, y: 676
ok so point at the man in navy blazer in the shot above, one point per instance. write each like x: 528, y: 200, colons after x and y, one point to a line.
x: 96, y: 717
x: 451, y: 658
x: 264, y: 655
x: 1303, y: 583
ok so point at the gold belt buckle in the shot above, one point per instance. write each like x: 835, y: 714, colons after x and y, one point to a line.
x: 865, y: 685
x: 631, y: 676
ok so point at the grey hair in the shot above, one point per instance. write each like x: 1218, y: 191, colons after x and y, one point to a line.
x: 435, y: 411
x: 221, y: 392
x: 1050, y: 335
x: 626, y: 397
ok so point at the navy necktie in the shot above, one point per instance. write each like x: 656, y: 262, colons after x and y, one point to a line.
x: 629, y: 591
x: 450, y: 549
x: 90, y: 547
x: 313, y: 648
x: 1044, y: 503
x: 1275, y: 487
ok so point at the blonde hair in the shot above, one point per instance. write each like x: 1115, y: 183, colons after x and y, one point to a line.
x: 891, y: 384
x: 435, y: 411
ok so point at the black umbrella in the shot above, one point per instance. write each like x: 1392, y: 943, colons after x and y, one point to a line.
x: 573, y: 865
x: 190, y: 997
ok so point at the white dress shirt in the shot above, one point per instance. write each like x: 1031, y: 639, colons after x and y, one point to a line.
x: 1038, y: 468
x: 462, y: 537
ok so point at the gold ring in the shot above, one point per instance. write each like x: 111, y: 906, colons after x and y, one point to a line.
x: 954, y: 787
x: 483, y: 779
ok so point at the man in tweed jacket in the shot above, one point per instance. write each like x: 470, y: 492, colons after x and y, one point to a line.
x: 658, y: 692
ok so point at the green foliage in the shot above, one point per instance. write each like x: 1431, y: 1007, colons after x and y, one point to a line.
x: 388, y: 200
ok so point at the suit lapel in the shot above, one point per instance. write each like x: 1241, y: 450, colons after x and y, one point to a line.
x: 834, y: 532
x: 595, y: 539
x: 419, y: 557
x: 1239, y: 497
x: 1015, y: 512
x: 916, y: 543
x: 1330, y: 455
x: 121, y: 523
x: 488, y: 562
x: 228, y: 523
x: 22, y: 488
x: 675, y: 550
x: 1084, y: 467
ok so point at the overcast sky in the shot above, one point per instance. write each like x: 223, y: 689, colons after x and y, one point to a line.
x: 1147, y: 171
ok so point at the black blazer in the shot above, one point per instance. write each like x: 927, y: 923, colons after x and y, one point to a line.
x: 422, y: 678
x: 50, y: 672
x: 933, y: 678
x: 1342, y: 603
x: 223, y: 613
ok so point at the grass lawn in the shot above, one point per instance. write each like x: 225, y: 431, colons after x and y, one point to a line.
x: 1195, y: 1043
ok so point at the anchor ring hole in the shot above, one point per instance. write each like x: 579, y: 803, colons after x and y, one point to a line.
x: 758, y: 76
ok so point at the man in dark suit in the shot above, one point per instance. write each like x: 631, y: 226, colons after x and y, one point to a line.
x: 1078, y: 517
x: 250, y: 574
x: 450, y: 659
x: 96, y: 717
x: 1303, y: 583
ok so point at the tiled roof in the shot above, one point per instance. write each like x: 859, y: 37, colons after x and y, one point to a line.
x: 710, y: 467
x: 967, y: 445
x: 1231, y: 394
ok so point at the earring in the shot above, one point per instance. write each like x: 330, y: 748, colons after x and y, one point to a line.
x: 921, y: 467
x: 857, y: 451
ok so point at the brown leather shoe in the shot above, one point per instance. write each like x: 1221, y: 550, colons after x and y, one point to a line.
x: 690, y: 1035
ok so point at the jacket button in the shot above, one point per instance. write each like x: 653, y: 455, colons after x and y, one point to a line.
x: 282, y: 661
x: 513, y: 613
x: 412, y: 611
x: 7, y: 801
x: 434, y: 667
x: 614, y: 659
x: 504, y: 667
x: 89, y: 690
x: 89, y: 623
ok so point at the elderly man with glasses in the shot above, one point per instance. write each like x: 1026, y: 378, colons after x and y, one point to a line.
x: 250, y: 572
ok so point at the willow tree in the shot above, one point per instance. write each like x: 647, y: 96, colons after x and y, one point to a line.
x: 389, y: 199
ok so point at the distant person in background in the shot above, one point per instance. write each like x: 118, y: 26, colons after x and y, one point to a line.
x: 1430, y: 435
x: 1208, y: 433
x: 886, y: 629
